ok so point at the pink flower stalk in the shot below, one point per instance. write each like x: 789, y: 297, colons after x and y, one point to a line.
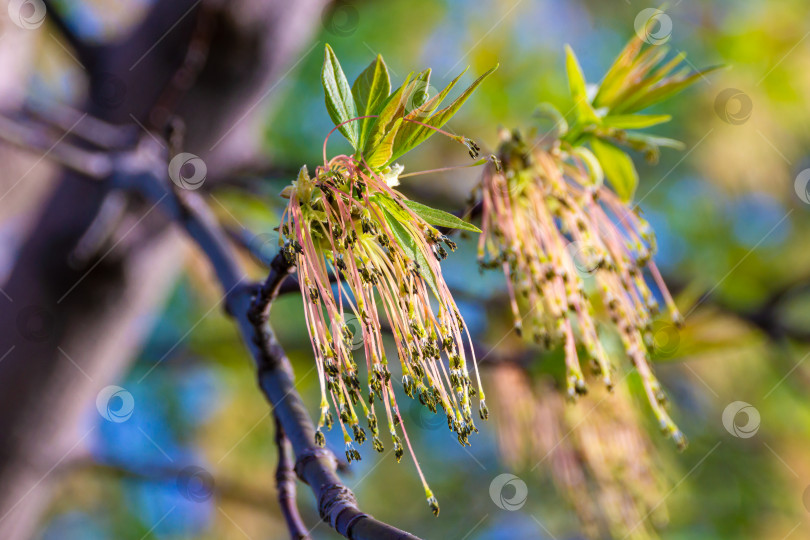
x: 570, y: 250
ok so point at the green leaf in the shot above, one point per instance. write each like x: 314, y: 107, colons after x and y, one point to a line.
x: 579, y: 93
x: 617, y: 166
x: 636, y: 77
x: 370, y: 90
x: 643, y: 139
x: 635, y: 121
x: 339, y: 99
x: 421, y: 113
x: 666, y: 89
x: 437, y: 120
x: 617, y: 74
x: 409, y: 245
x: 385, y: 201
x: 440, y: 218
x: 390, y: 110
x: 416, y: 93
x: 381, y: 153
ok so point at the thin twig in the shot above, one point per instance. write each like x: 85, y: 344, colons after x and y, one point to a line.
x: 28, y: 135
x: 87, y: 128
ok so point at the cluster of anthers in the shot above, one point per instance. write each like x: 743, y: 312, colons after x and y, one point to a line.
x: 569, y: 249
x: 360, y: 250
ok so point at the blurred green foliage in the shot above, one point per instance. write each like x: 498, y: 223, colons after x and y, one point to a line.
x: 729, y: 225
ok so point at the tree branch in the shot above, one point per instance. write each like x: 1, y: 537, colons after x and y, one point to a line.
x: 128, y: 72
x: 285, y: 485
x: 143, y: 171
x: 222, y: 487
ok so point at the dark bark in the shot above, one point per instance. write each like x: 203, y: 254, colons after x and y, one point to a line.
x: 42, y: 391
x: 285, y: 485
x: 142, y: 172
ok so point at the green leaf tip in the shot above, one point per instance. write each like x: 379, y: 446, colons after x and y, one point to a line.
x: 440, y: 218
x: 338, y: 96
x: 370, y: 90
x: 385, y: 136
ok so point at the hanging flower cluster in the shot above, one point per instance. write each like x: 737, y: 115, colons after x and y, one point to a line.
x: 570, y: 247
x: 599, y: 456
x: 366, y: 253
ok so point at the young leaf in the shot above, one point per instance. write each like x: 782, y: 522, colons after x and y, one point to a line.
x: 440, y: 218
x: 385, y: 201
x: 409, y: 129
x: 430, y: 105
x: 617, y: 74
x: 339, y: 100
x: 617, y: 166
x: 404, y: 239
x: 638, y: 79
x: 381, y: 153
x: 635, y: 121
x: 579, y: 93
x: 370, y: 90
x: 390, y: 110
x: 416, y: 94
x: 666, y: 89
x: 652, y: 141
x: 437, y: 120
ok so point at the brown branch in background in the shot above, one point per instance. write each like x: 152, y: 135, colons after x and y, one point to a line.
x: 28, y: 135
x: 92, y: 307
x: 143, y: 171
x: 285, y: 484
x: 767, y: 316
x: 89, y: 129
x: 223, y: 488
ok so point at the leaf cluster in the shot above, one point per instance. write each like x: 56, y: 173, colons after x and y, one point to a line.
x: 380, y: 124
x: 607, y: 117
